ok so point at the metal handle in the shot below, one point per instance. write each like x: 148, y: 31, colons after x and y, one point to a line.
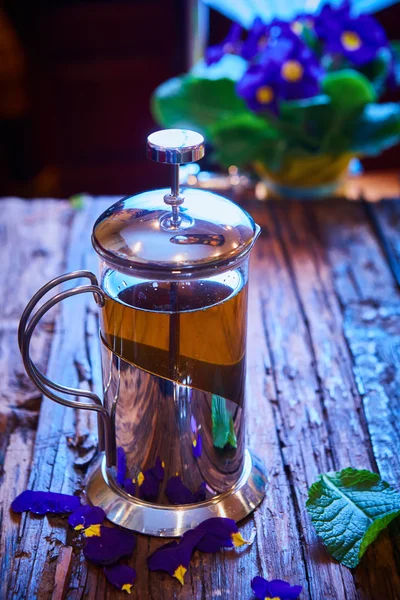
x: 26, y: 328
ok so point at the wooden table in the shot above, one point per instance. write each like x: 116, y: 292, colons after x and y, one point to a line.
x: 324, y: 381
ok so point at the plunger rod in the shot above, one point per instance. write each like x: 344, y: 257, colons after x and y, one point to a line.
x: 175, y: 192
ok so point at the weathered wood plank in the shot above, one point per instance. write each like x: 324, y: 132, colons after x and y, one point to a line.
x: 359, y: 266
x: 52, y: 466
x: 32, y: 242
x: 304, y: 417
x: 349, y: 442
x: 299, y: 414
x: 387, y: 215
x: 374, y: 286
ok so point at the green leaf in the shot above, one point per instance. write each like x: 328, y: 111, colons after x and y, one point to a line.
x: 223, y: 431
x: 395, y: 46
x: 243, y: 139
x: 189, y: 101
x: 378, y: 69
x: 377, y: 128
x: 348, y: 90
x: 349, y: 509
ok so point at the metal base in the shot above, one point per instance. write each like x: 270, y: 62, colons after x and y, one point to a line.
x: 172, y: 521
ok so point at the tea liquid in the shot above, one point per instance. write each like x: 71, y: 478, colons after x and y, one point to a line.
x: 191, y: 332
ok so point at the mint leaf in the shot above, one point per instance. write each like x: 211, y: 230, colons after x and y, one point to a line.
x: 349, y: 509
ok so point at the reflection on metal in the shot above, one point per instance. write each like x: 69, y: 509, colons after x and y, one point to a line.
x: 172, y: 521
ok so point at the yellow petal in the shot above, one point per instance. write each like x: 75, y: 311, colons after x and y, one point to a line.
x: 92, y: 531
x: 163, y: 464
x: 180, y: 573
x: 78, y: 527
x: 238, y: 540
x: 127, y: 587
x: 140, y: 478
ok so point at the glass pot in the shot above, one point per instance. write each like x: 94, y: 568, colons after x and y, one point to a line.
x: 173, y: 313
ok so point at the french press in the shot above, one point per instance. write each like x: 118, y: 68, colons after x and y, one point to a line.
x: 173, y: 301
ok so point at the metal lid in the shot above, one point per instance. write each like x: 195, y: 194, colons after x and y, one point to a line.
x: 135, y: 235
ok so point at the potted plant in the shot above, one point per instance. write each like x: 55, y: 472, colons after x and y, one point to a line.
x: 295, y: 101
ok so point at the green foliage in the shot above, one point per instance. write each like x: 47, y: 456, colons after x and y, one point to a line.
x: 348, y: 90
x: 349, y: 509
x: 342, y: 119
x: 378, y: 70
x: 395, y: 47
x: 377, y: 128
x: 188, y: 101
x: 245, y: 135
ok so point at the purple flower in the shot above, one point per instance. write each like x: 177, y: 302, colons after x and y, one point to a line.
x: 121, y: 466
x: 230, y: 45
x: 87, y: 515
x: 105, y: 545
x: 302, y: 23
x: 178, y: 493
x: 41, y: 503
x: 287, y: 70
x: 174, y: 558
x: 275, y: 589
x: 218, y: 533
x: 359, y: 39
x: 122, y: 576
x: 197, y: 446
x: 256, y: 40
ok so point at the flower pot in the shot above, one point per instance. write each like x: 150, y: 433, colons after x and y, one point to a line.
x: 312, y: 177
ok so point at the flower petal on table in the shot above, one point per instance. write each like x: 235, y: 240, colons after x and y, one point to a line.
x: 105, y: 545
x: 259, y: 587
x: 262, y: 588
x: 86, y: 515
x: 174, y: 557
x: 121, y: 465
x: 41, y: 503
x: 122, y: 576
x: 219, y: 533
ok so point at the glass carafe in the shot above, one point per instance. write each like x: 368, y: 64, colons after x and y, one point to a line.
x: 173, y: 313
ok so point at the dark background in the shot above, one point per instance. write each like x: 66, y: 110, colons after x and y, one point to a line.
x: 88, y: 70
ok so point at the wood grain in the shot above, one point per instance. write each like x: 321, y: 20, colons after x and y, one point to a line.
x: 323, y: 360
